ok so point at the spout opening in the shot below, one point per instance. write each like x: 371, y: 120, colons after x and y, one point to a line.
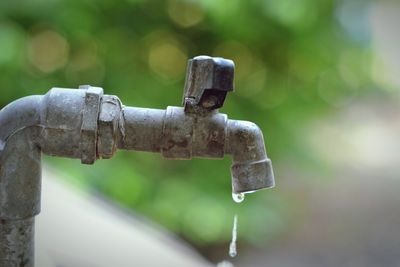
x: 254, y: 176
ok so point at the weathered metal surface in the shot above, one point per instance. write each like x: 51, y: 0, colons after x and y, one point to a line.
x: 209, y: 134
x: 19, y: 180
x: 177, y: 134
x: 19, y: 114
x: 187, y: 135
x: 17, y: 243
x: 61, y: 119
x: 89, y: 123
x: 141, y: 129
x: 110, y: 112
x: 29, y: 126
x: 85, y: 124
x: 251, y: 169
x: 208, y: 79
x: 20, y: 173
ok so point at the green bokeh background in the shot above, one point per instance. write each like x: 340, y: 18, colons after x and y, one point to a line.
x: 296, y: 60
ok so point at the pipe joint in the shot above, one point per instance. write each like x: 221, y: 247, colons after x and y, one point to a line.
x: 186, y: 135
x: 251, y: 169
x: 109, y: 124
x: 90, y: 115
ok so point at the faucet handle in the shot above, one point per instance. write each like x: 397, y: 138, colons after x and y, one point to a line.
x: 208, y: 79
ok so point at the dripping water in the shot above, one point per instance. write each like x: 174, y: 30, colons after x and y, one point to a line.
x: 237, y: 197
x: 232, y: 246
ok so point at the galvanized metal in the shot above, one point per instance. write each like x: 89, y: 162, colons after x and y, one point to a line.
x: 251, y: 169
x: 90, y: 114
x: 109, y: 117
x: 87, y: 125
x: 17, y: 242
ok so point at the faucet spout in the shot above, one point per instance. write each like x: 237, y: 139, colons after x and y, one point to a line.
x: 251, y: 169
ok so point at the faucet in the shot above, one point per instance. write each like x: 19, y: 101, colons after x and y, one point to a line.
x: 88, y: 125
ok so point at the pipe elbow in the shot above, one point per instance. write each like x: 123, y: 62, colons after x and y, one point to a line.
x: 251, y: 169
x: 20, y: 114
x: 20, y: 158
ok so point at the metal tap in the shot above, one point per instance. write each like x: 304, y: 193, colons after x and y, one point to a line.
x: 86, y: 124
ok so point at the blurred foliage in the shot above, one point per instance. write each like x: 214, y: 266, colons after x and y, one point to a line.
x: 295, y: 60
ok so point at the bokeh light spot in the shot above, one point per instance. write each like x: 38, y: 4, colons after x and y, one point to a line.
x: 48, y: 51
x: 185, y: 13
x: 167, y: 59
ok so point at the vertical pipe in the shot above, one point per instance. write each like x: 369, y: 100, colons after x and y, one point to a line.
x: 17, y: 242
x: 20, y: 183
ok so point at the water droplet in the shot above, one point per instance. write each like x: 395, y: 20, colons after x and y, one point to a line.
x: 238, y: 197
x: 232, y: 253
x: 232, y: 246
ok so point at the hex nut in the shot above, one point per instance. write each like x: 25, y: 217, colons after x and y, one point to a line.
x: 89, y: 123
x: 110, y: 111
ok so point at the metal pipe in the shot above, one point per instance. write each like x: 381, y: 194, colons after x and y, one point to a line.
x: 19, y: 180
x: 251, y: 169
x: 17, y: 242
x: 19, y: 114
x: 83, y: 123
x: 142, y: 129
x: 180, y: 135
